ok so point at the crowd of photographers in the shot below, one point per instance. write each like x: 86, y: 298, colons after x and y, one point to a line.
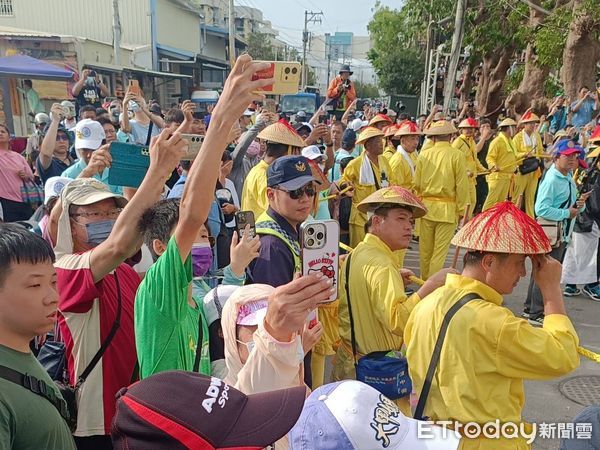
x: 184, y: 273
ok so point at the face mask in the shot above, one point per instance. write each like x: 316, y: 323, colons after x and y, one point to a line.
x: 134, y: 107
x: 202, y: 259
x: 90, y: 81
x: 98, y: 232
x: 322, y: 167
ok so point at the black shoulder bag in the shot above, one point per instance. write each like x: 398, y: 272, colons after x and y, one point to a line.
x: 437, y: 350
x: 387, y: 374
x: 69, y: 392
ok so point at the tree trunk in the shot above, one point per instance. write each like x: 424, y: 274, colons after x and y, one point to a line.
x: 531, y: 90
x: 467, y: 84
x: 489, y: 93
x: 582, y: 52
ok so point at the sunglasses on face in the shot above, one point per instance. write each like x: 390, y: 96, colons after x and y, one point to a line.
x: 296, y: 194
x: 62, y: 137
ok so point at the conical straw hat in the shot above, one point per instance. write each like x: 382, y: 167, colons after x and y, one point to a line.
x: 393, y: 195
x: 367, y: 134
x: 379, y: 118
x: 282, y: 133
x: 390, y: 130
x: 440, y: 128
x: 408, y: 128
x: 503, y: 229
x: 468, y: 123
x: 508, y: 122
x: 529, y: 117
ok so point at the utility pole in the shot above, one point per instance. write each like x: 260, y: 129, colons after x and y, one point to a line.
x: 116, y: 33
x: 314, y: 17
x: 457, y: 38
x: 231, y: 34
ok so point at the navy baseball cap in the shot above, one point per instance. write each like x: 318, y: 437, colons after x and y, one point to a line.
x: 290, y: 173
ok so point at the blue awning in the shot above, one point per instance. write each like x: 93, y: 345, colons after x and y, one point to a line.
x: 23, y: 66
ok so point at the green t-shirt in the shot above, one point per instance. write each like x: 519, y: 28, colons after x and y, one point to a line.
x: 27, y: 420
x: 166, y: 326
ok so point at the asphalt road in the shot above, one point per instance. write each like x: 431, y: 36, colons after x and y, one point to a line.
x: 544, y: 400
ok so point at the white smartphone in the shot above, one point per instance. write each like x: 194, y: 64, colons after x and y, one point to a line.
x: 319, y: 247
x: 194, y: 142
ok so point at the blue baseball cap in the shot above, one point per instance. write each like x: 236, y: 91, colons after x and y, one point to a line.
x: 290, y: 173
x: 567, y: 147
x: 350, y: 415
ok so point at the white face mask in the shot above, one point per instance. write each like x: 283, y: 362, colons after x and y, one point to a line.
x: 322, y: 167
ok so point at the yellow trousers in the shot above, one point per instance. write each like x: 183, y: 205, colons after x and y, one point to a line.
x: 526, y: 185
x: 498, y: 191
x: 328, y: 344
x: 434, y: 243
x: 472, y: 198
x: 357, y: 234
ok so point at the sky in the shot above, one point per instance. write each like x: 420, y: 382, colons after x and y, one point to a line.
x: 287, y: 16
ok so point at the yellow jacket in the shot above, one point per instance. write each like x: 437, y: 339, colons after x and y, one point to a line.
x: 469, y: 148
x: 502, y: 154
x: 388, y: 151
x: 379, y: 305
x: 254, y: 192
x: 401, y: 169
x: 361, y: 191
x: 522, y: 148
x: 427, y: 144
x: 441, y: 180
x: 487, y: 354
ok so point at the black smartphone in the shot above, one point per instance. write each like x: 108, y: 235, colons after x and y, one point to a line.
x: 243, y: 218
x: 323, y: 119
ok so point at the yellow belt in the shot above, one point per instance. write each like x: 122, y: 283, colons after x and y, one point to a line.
x: 435, y: 198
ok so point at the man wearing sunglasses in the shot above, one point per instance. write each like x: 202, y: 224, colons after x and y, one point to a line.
x: 290, y: 191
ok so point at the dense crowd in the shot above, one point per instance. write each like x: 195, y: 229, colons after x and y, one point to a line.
x: 142, y: 315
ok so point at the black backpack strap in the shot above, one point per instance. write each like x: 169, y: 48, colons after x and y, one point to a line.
x: 347, y: 285
x: 117, y: 323
x: 149, y: 135
x: 437, y: 350
x: 199, y: 344
x: 36, y: 386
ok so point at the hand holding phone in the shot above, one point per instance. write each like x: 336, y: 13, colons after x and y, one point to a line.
x: 243, y: 218
x: 286, y: 75
x: 194, y: 144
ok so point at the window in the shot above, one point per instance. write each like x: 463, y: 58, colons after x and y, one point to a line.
x: 6, y: 8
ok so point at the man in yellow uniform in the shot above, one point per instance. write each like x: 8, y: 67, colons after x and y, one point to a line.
x: 376, y: 281
x: 487, y: 352
x: 466, y: 144
x: 441, y: 181
x: 502, y: 163
x: 282, y: 140
x: 368, y: 173
x: 404, y: 160
x: 390, y: 141
x: 528, y: 142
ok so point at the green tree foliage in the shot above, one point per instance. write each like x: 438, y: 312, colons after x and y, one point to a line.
x: 366, y: 90
x: 259, y: 47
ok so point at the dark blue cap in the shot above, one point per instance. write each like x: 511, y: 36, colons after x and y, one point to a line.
x: 349, y: 137
x: 289, y: 173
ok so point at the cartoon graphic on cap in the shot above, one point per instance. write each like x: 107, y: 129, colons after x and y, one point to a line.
x: 323, y: 265
x: 84, y: 133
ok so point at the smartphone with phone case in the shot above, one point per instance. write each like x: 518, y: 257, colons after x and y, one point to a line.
x: 130, y: 162
x: 243, y: 218
x: 286, y: 75
x: 313, y: 318
x: 194, y: 142
x: 319, y: 250
x: 134, y: 88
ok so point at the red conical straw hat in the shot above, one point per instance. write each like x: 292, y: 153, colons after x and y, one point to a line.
x: 408, y: 128
x: 469, y: 122
x: 595, y: 137
x: 379, y: 118
x: 390, y: 130
x: 529, y: 117
x: 503, y: 229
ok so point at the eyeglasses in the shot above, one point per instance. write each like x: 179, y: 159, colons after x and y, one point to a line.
x: 298, y: 193
x: 62, y: 137
x: 112, y: 214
